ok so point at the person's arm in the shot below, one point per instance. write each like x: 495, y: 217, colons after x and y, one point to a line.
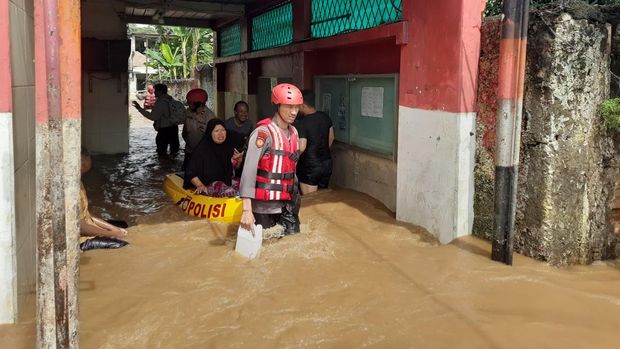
x: 331, y: 136
x: 247, y: 187
x: 144, y: 112
x: 247, y: 217
x: 302, y: 144
x: 94, y: 230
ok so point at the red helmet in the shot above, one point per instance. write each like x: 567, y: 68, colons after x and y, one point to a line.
x: 286, y: 94
x: 197, y: 95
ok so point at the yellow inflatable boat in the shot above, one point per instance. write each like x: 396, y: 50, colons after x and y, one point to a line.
x: 227, y: 210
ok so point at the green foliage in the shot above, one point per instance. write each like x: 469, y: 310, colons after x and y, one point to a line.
x: 181, y: 51
x: 610, y: 112
x: 494, y: 7
x: 165, y: 60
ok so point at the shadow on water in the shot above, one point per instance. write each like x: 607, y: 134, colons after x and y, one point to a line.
x: 127, y: 186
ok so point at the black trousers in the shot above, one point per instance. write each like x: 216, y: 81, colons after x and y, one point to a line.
x: 167, y: 136
x: 315, y: 172
x: 289, y: 218
x: 266, y: 220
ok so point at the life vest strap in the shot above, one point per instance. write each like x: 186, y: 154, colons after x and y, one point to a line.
x: 293, y: 156
x: 276, y: 187
x: 279, y: 176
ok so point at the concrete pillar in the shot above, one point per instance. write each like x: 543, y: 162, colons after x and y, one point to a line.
x: 436, y: 130
x: 569, y: 161
x: 8, y: 269
x: 58, y: 109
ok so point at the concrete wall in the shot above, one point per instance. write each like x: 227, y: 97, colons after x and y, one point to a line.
x: 484, y: 213
x: 236, y: 89
x: 435, y: 171
x: 365, y: 172
x: 205, y: 75
x: 436, y: 130
x: 22, y: 66
x: 569, y: 162
x: 105, y: 122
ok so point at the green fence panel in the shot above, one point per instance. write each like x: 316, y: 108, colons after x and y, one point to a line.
x: 273, y: 28
x: 230, y: 40
x: 333, y: 17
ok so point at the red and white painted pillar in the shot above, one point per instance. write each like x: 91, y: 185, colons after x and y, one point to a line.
x: 437, y: 119
x: 8, y: 269
x: 58, y: 140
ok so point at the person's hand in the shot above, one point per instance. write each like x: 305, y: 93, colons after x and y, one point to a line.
x: 201, y: 189
x: 237, y: 155
x: 136, y: 104
x: 123, y: 231
x: 247, y: 221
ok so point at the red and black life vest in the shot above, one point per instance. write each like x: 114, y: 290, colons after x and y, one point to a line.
x: 275, y: 177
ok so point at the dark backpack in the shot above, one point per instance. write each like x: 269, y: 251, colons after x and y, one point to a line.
x: 177, y: 112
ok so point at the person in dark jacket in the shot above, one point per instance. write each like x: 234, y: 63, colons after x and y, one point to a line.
x: 210, y: 169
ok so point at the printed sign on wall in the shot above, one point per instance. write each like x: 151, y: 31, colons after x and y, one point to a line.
x: 372, y: 102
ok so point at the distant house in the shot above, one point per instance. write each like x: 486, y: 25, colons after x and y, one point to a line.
x: 138, y: 70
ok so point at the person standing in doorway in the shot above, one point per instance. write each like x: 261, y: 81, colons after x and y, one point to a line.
x: 316, y: 135
x: 239, y: 127
x: 268, y: 189
x: 167, y: 131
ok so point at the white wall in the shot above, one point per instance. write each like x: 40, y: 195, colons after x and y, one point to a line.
x: 436, y: 171
x: 105, y: 122
x: 8, y: 269
x: 23, y: 137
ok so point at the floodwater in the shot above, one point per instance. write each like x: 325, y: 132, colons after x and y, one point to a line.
x: 354, y: 278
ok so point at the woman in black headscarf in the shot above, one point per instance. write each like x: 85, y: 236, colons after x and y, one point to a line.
x: 210, y: 169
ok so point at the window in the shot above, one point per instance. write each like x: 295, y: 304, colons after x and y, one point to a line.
x: 230, y: 40
x: 363, y: 109
x: 333, y: 17
x: 273, y: 28
x: 141, y: 45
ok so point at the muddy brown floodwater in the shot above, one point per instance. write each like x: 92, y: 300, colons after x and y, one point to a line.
x: 354, y: 278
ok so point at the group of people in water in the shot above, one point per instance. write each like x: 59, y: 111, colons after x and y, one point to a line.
x: 268, y: 166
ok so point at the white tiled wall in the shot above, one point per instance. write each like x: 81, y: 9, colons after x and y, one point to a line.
x: 22, y: 67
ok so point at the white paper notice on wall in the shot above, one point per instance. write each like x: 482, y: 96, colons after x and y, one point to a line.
x: 372, y: 102
x: 326, y: 103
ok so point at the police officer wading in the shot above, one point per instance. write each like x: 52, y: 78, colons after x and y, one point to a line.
x: 268, y: 183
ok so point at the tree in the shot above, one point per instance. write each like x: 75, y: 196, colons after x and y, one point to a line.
x: 165, y: 61
x: 186, y: 48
